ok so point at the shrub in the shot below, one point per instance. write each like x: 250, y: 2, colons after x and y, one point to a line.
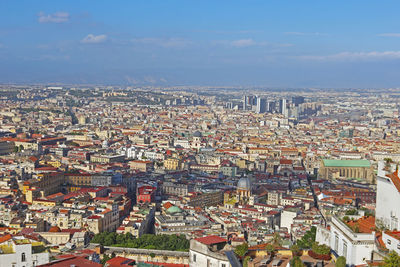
x: 320, y: 252
x: 241, y: 250
x: 340, y: 262
x: 296, y: 262
x: 308, y: 239
x: 296, y: 251
x: 319, y: 256
x: 321, y: 249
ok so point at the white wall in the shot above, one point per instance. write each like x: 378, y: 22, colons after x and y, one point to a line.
x: 15, y: 259
x: 359, y: 245
x: 394, y: 243
x: 200, y: 255
x: 387, y: 201
x: 201, y: 260
x: 287, y: 219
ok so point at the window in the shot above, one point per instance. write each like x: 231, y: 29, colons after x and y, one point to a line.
x: 23, y: 257
x: 389, y: 242
x: 345, y: 249
x: 398, y: 246
x: 223, y: 265
x: 336, y: 243
x: 194, y: 257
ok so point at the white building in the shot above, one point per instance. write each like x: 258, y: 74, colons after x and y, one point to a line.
x: 129, y: 152
x: 287, y: 216
x: 182, y: 143
x: 392, y: 240
x: 388, y: 198
x: 16, y: 251
x: 355, y: 247
x: 210, y: 251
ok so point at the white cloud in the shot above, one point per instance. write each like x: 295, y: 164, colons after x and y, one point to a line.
x: 58, y: 17
x: 163, y: 42
x: 94, y: 39
x: 356, y: 56
x: 306, y: 33
x: 243, y: 43
x: 250, y: 42
x: 390, y: 34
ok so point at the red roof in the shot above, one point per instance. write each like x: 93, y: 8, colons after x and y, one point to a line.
x: 76, y: 261
x: 394, y: 234
x: 5, y: 238
x: 168, y: 264
x: 395, y: 179
x: 364, y: 224
x: 211, y: 239
x: 167, y: 205
x: 286, y: 162
x: 119, y: 261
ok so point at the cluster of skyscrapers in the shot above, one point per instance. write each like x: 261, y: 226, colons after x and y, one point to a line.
x: 262, y: 105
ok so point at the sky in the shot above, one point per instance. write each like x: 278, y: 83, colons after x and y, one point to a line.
x: 267, y: 43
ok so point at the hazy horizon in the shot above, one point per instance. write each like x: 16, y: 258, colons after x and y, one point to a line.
x: 281, y: 44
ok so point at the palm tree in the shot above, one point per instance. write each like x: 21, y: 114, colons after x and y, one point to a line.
x: 296, y: 251
x: 270, y: 248
x: 277, y: 240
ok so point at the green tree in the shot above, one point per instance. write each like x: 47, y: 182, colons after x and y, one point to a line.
x: 106, y: 258
x: 277, y: 240
x: 246, y: 261
x: 346, y: 218
x: 340, y: 262
x: 120, y: 239
x: 352, y: 212
x: 296, y: 251
x: 270, y: 248
x: 392, y: 260
x: 110, y: 239
x: 242, y: 249
x: 321, y: 249
x: 147, y: 241
x: 308, y: 239
x: 296, y: 262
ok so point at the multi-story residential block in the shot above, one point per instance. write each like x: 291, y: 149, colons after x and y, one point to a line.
x: 176, y: 188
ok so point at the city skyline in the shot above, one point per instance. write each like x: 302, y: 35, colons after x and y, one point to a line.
x: 169, y: 43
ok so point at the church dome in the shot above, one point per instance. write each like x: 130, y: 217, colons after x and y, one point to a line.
x: 197, y: 134
x: 173, y: 210
x: 244, y: 184
x: 55, y: 229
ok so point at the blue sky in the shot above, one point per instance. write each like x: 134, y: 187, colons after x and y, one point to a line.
x: 221, y: 42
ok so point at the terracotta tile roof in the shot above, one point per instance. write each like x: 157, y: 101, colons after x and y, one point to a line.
x: 365, y: 224
x: 394, y: 234
x: 73, y: 260
x: 286, y: 161
x: 395, y: 180
x: 4, y: 238
x: 211, y: 239
x: 119, y: 261
x: 167, y: 264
